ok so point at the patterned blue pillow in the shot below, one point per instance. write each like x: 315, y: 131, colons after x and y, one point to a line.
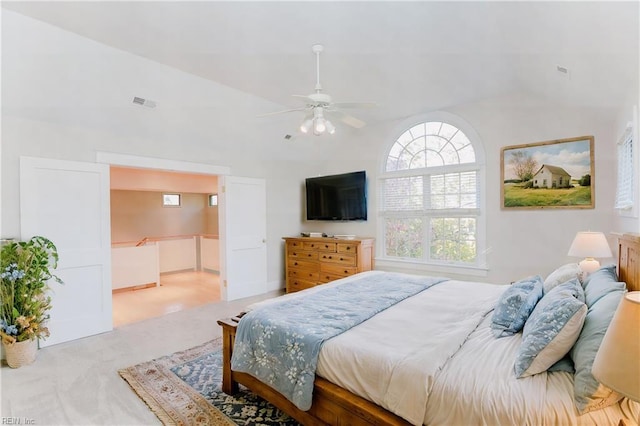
x: 515, y: 305
x: 552, y: 329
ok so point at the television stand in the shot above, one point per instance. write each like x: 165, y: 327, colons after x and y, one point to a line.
x: 314, y: 261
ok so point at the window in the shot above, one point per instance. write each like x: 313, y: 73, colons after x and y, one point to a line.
x: 213, y: 200
x: 430, y: 204
x: 171, y: 200
x: 624, y: 192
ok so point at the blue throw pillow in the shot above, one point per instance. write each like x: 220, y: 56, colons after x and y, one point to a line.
x: 565, y: 364
x: 552, y: 329
x: 515, y: 305
x: 600, y: 283
x: 589, y: 394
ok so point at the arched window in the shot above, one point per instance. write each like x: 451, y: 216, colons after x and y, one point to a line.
x: 430, y: 196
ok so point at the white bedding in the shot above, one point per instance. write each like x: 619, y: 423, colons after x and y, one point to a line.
x: 427, y: 360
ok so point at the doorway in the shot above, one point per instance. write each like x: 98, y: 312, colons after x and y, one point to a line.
x: 165, y: 247
x: 77, y: 218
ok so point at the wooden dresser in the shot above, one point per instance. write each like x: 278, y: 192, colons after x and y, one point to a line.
x: 628, y: 255
x: 312, y: 261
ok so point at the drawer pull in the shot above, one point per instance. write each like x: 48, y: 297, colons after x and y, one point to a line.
x: 295, y: 263
x: 326, y: 246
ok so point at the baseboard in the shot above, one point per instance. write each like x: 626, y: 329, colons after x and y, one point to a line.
x: 275, y: 285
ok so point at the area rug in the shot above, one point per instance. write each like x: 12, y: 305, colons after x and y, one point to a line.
x: 185, y: 389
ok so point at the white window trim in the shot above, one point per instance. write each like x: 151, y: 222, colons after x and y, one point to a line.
x: 479, y: 268
x: 405, y: 265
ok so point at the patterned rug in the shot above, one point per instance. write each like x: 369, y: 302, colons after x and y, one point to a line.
x: 184, y: 389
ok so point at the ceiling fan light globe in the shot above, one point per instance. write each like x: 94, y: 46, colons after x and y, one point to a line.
x: 319, y: 126
x: 306, y: 125
x: 331, y: 129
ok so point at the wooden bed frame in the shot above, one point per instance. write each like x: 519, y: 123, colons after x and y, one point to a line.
x: 334, y: 405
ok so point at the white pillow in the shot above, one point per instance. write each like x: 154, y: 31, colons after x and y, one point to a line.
x: 562, y: 275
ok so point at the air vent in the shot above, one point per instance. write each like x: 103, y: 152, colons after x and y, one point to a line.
x: 144, y: 102
x: 563, y: 71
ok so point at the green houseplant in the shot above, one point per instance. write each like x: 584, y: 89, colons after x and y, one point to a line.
x: 25, y: 271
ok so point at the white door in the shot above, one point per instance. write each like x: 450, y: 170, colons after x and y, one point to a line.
x: 68, y: 203
x: 243, y: 233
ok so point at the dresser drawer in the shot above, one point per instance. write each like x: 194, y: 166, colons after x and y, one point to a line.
x: 291, y: 245
x: 340, y: 258
x: 301, y: 254
x: 326, y: 277
x: 305, y: 274
x: 346, y: 248
x: 320, y: 246
x: 303, y: 264
x: 297, y: 285
x: 333, y: 269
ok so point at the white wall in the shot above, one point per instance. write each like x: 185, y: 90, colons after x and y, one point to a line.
x: 68, y: 97
x: 521, y: 242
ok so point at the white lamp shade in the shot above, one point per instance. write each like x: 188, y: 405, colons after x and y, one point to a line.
x: 617, y: 363
x: 590, y: 244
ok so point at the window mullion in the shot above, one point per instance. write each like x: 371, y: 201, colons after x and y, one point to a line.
x: 426, y: 225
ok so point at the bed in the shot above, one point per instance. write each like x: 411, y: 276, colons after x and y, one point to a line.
x: 433, y: 358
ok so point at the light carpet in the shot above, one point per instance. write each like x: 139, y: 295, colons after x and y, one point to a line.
x: 185, y: 389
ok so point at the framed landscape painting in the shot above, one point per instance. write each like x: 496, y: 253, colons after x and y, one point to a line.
x: 556, y: 174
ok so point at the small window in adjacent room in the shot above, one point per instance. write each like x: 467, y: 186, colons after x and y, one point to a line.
x: 213, y: 200
x: 171, y: 200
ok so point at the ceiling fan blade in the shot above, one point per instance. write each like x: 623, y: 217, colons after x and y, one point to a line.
x: 354, y: 104
x: 281, y: 112
x: 348, y: 120
x: 305, y: 97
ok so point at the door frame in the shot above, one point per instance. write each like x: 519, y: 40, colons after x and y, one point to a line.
x: 152, y: 163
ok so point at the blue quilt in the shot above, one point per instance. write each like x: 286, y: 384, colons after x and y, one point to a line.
x: 280, y: 342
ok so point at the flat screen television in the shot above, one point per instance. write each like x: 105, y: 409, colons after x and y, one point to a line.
x: 337, y: 197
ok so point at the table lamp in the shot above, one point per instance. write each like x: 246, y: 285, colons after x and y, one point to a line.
x: 589, y: 245
x: 617, y: 363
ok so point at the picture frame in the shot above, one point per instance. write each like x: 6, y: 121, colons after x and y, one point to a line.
x: 556, y: 174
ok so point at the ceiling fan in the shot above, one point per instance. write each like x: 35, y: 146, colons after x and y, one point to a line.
x: 319, y: 105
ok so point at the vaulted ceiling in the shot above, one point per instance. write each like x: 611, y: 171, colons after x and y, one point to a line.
x: 409, y: 57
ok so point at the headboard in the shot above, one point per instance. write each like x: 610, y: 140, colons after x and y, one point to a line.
x: 629, y: 260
